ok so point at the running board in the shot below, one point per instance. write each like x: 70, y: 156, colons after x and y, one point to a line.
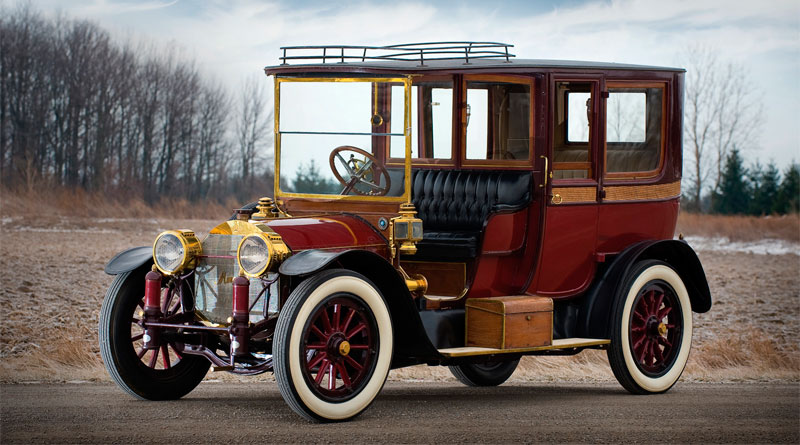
x: 563, y: 343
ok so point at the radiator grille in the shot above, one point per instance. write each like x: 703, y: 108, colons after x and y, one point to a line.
x: 214, y: 276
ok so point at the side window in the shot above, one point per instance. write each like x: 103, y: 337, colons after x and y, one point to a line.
x: 571, y: 131
x: 498, y: 121
x: 634, y: 129
x: 431, y: 120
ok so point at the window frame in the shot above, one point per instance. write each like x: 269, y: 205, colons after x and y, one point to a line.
x: 500, y: 78
x: 649, y: 174
x: 416, y: 161
x: 595, y: 87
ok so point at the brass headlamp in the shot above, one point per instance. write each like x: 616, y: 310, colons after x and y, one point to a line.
x: 258, y: 252
x: 175, y: 251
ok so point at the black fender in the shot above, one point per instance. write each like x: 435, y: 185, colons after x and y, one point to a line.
x: 595, y: 311
x: 411, y: 343
x: 128, y: 260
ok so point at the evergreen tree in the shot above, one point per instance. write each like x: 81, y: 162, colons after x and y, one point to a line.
x: 733, y: 194
x: 309, y: 180
x: 755, y: 175
x: 789, y: 195
x: 768, y: 193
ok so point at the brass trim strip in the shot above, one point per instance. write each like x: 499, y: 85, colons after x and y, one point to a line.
x: 575, y: 194
x: 563, y: 343
x: 643, y: 192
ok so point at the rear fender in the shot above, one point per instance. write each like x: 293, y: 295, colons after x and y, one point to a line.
x: 595, y: 311
x: 411, y: 343
x: 128, y: 260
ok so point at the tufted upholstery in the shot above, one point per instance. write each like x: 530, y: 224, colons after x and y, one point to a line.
x: 455, y: 204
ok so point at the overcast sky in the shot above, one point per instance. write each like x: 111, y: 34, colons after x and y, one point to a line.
x: 233, y: 39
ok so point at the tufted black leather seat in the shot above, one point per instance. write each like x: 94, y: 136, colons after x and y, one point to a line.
x: 455, y: 204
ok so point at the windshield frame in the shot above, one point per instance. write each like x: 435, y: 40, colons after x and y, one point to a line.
x: 405, y: 80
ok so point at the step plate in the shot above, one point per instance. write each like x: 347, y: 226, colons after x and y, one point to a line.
x: 563, y: 343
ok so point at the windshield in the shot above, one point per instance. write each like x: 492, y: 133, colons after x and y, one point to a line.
x: 334, y: 136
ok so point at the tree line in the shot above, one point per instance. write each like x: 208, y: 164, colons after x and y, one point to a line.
x: 78, y: 109
x: 756, y: 190
x: 722, y: 113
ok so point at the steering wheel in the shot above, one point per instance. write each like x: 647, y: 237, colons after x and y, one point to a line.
x: 368, y: 172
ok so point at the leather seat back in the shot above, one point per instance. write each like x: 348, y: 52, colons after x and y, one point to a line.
x: 461, y: 200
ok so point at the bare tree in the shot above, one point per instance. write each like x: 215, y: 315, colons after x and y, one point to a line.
x: 722, y: 110
x: 252, y: 128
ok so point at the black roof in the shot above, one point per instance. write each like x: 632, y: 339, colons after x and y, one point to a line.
x: 428, y: 56
x: 438, y: 65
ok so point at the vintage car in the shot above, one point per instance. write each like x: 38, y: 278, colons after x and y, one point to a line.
x: 441, y: 204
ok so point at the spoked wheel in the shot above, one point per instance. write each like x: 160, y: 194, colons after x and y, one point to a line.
x: 652, y: 330
x: 162, y: 373
x: 333, y: 346
x: 484, y: 374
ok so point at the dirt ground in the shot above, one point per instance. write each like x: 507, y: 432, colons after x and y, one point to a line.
x: 53, y: 284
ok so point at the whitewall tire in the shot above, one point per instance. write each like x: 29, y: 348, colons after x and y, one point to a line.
x: 333, y: 346
x: 651, y: 332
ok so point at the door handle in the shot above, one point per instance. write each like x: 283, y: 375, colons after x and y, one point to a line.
x: 547, y: 173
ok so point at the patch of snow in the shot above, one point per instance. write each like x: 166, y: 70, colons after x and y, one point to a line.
x: 765, y: 246
x: 126, y: 220
x: 7, y: 220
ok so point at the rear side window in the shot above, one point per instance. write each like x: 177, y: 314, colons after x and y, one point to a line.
x: 634, y: 129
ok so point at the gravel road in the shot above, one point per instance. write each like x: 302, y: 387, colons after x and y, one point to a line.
x: 408, y: 412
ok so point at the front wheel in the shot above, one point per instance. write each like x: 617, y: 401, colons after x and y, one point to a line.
x: 484, y: 374
x: 163, y: 373
x: 333, y: 346
x: 651, y: 333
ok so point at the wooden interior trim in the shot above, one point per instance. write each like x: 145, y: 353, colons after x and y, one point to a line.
x: 572, y: 165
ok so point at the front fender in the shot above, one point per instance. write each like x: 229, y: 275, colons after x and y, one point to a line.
x: 128, y: 260
x: 595, y: 311
x: 411, y: 343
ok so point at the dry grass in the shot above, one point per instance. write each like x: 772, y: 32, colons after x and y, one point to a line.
x: 79, y: 203
x: 739, y: 227
x: 48, y: 316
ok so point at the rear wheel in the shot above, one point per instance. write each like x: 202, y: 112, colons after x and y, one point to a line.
x: 163, y: 373
x: 652, y: 329
x: 484, y: 374
x: 333, y: 346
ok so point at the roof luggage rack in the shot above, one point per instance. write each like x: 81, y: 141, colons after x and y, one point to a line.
x: 407, y: 52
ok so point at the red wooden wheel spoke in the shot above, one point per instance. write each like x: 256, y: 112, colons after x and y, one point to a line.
x: 326, y: 322
x: 331, y: 377
x: 135, y: 320
x: 318, y: 333
x: 165, y: 356
x: 659, y: 302
x: 177, y: 354
x: 353, y: 363
x: 137, y: 337
x: 359, y: 327
x: 352, y: 346
x: 664, y: 312
x: 639, y: 342
x: 337, y: 315
x: 141, y: 353
x: 318, y: 357
x: 323, y: 368
x: 637, y: 329
x: 640, y: 316
x: 317, y: 346
x: 141, y: 303
x: 347, y: 320
x: 345, y: 377
x: 671, y: 326
x: 665, y: 341
x: 153, y: 359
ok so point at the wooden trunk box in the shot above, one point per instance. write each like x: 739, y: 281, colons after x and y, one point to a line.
x: 509, y: 322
